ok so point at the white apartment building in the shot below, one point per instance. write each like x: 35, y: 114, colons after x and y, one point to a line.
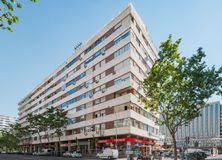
x: 100, y: 87
x: 5, y: 121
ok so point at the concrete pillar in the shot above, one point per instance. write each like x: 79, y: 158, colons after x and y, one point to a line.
x: 56, y: 147
x: 128, y: 150
x: 69, y: 146
x: 89, y: 149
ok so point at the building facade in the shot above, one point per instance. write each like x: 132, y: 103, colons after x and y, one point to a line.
x: 204, y: 131
x: 5, y: 121
x: 100, y: 87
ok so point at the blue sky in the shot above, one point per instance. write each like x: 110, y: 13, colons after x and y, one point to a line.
x: 47, y: 32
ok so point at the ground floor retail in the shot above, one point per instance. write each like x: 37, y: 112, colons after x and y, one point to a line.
x: 126, y: 144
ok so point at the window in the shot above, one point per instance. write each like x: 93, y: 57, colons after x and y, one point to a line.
x: 97, y: 66
x: 82, y: 75
x: 71, y: 63
x: 97, y: 77
x: 103, y: 99
x: 118, y: 26
x: 97, y: 114
x: 82, y: 130
x: 88, y: 49
x: 72, y: 110
x: 97, y: 128
x: 121, y: 38
x: 81, y: 86
x: 103, y: 113
x: 103, y: 63
x: 82, y: 106
x: 89, y: 93
x: 72, y: 91
x: 103, y: 126
x: 103, y: 87
x: 82, y: 118
x: 103, y: 75
x: 71, y: 82
x: 89, y: 71
x: 90, y: 59
x: 97, y: 101
x: 122, y: 50
x: 97, y: 89
x: 82, y: 96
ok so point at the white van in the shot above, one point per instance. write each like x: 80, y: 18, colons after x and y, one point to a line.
x: 108, y: 153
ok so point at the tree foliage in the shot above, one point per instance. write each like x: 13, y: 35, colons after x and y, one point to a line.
x: 177, y: 87
x: 10, y: 138
x: 51, y: 122
x: 7, y: 17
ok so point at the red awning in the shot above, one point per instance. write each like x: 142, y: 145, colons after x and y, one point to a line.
x: 125, y: 140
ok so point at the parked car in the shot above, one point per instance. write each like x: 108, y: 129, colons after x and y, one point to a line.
x: 76, y: 155
x: 45, y: 152
x: 217, y: 157
x: 108, y: 153
x: 67, y: 154
x: 143, y: 157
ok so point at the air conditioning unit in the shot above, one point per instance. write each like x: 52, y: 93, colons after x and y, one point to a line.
x: 103, y: 51
x: 86, y: 85
x: 103, y: 90
x: 97, y: 81
x: 114, y: 72
x: 91, y: 95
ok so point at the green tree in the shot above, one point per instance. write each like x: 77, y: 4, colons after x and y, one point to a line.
x: 177, y: 87
x: 10, y: 138
x: 7, y: 17
x: 36, y: 124
x: 59, y: 122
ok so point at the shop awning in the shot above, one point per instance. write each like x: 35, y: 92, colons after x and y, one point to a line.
x: 135, y: 140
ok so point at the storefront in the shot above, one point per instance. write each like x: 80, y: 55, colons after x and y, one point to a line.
x: 128, y: 145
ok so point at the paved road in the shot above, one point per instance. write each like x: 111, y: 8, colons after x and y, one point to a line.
x: 25, y: 157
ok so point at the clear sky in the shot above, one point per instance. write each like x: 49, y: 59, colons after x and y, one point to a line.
x: 47, y: 32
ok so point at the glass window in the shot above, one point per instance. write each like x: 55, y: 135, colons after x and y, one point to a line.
x: 89, y: 71
x: 122, y: 37
x: 97, y: 101
x: 90, y: 59
x: 72, y: 91
x: 103, y: 75
x: 82, y: 106
x: 103, y: 63
x: 82, y: 96
x: 103, y: 99
x: 97, y: 128
x: 82, y: 118
x: 97, y: 66
x: 97, y: 89
x: 82, y: 75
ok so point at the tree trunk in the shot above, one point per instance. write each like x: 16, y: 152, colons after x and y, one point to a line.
x: 59, y: 145
x: 40, y: 139
x: 174, y: 146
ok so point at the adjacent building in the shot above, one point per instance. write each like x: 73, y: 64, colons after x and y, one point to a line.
x: 100, y: 87
x: 204, y: 131
x: 5, y: 121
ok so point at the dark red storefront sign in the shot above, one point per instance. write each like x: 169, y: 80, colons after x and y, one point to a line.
x: 135, y: 140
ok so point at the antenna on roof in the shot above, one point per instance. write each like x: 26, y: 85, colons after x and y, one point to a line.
x: 78, y: 46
